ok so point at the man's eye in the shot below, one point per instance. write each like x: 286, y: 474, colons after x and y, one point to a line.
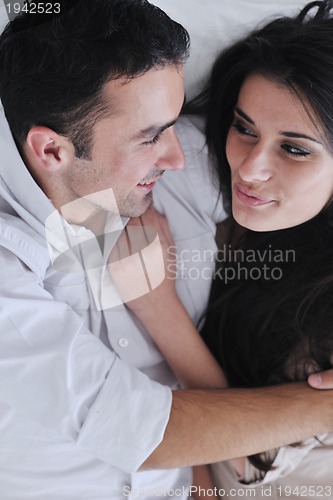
x: 240, y: 129
x: 293, y: 151
x: 154, y: 140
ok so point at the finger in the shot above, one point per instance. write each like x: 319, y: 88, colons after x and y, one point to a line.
x: 155, y: 219
x: 150, y: 217
x: 137, y: 238
x: 150, y: 224
x: 123, y: 245
x: 115, y: 252
x: 322, y: 380
x: 136, y: 221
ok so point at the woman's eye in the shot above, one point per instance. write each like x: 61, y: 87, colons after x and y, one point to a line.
x: 240, y: 129
x: 293, y: 151
x: 154, y: 140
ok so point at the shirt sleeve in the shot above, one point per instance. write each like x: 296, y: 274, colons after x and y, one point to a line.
x: 56, y: 372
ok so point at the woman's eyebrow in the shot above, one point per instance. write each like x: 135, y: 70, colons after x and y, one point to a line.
x: 294, y: 135
x: 244, y: 115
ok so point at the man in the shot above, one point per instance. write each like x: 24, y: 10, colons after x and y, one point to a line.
x: 88, y: 406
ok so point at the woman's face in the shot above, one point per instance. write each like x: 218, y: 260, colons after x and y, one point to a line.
x: 281, y: 171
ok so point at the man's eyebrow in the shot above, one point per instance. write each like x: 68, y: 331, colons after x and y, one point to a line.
x: 157, y: 129
x: 294, y: 135
x: 154, y: 130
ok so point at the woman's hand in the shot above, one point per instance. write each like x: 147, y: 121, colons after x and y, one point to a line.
x: 147, y: 275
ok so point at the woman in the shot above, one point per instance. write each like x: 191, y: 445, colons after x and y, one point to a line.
x: 269, y: 116
x: 272, y: 141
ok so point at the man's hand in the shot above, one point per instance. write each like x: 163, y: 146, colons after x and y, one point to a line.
x: 321, y: 380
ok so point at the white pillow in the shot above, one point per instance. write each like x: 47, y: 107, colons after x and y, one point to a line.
x: 214, y: 24
x: 3, y: 16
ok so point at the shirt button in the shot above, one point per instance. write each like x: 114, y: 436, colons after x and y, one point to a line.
x: 123, y: 342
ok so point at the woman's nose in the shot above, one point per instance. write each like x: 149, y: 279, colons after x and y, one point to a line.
x: 256, y: 167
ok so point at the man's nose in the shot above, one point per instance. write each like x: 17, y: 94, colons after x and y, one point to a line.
x: 172, y: 158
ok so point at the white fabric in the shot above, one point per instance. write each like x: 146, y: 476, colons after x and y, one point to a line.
x: 78, y: 413
x: 3, y: 16
x: 215, y: 24
x: 298, y: 471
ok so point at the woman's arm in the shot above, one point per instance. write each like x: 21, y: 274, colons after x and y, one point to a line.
x: 180, y: 343
x: 162, y: 313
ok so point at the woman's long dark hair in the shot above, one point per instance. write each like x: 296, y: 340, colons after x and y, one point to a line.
x: 296, y: 52
x: 269, y: 328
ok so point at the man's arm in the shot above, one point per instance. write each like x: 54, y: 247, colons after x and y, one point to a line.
x: 208, y: 426
x: 213, y: 425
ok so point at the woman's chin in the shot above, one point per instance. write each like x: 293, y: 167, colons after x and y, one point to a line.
x: 266, y: 224
x: 259, y: 224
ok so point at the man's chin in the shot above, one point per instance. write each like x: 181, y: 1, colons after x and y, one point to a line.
x: 136, y: 209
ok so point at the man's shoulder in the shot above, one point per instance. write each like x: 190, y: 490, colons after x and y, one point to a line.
x: 21, y: 245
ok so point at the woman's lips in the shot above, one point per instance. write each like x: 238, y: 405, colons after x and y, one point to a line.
x: 250, y: 199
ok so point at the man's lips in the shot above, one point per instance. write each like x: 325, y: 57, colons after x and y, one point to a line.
x: 149, y: 184
x: 146, y: 187
x: 250, y: 198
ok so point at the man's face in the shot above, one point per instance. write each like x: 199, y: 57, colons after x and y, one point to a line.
x: 134, y: 146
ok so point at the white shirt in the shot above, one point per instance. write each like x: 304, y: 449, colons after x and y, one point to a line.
x: 85, y: 395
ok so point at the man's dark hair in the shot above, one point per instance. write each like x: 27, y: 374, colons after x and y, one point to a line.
x: 53, y: 67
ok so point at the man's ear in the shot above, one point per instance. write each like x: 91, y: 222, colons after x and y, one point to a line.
x: 48, y: 150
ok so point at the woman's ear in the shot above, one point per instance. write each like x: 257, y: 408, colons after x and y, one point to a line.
x: 45, y: 149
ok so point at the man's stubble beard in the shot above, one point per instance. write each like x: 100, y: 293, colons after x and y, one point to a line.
x: 132, y: 208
